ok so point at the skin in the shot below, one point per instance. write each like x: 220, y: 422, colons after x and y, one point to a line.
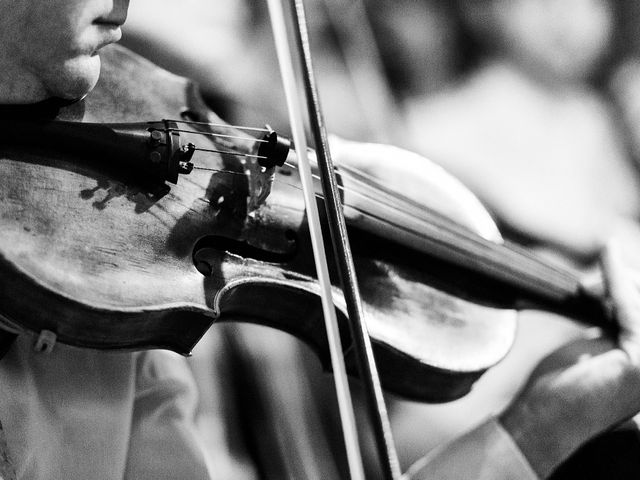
x: 50, y: 49
x: 585, y: 387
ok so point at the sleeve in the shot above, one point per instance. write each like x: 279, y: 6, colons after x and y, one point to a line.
x: 164, y: 443
x: 485, y: 453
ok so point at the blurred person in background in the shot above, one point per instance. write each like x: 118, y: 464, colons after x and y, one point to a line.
x: 524, y: 127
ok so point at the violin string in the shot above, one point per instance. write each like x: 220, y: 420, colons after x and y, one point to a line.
x: 220, y: 170
x: 503, y: 261
x: 220, y: 125
x: 319, y: 196
x: 399, y: 197
x: 481, y: 247
x: 420, y: 212
x: 429, y: 218
x: 402, y: 203
x: 282, y: 182
x: 217, y: 135
x: 406, y: 206
x: 240, y: 154
x: 362, y: 194
x: 359, y: 172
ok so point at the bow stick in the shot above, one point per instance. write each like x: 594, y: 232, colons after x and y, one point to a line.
x: 337, y: 226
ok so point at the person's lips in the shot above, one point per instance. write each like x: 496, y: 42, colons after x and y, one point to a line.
x: 108, y: 33
x: 113, y: 19
x: 107, y: 24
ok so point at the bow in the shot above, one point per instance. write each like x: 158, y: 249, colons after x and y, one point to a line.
x: 296, y: 97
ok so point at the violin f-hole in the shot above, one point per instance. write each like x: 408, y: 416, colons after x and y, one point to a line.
x: 206, y: 251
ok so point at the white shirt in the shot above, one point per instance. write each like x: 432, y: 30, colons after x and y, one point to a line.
x: 78, y: 414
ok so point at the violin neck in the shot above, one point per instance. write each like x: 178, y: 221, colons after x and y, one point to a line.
x: 503, y: 273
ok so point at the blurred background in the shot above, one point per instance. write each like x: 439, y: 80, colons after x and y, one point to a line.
x: 533, y: 104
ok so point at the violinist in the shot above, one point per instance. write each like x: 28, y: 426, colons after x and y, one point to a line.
x: 76, y: 413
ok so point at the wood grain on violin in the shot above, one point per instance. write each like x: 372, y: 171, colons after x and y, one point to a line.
x: 94, y: 252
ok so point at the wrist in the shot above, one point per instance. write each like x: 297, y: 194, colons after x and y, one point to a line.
x: 560, y: 411
x: 535, y: 427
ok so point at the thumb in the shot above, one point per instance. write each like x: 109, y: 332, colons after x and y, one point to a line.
x: 624, y: 291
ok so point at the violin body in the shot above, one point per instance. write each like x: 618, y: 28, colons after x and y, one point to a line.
x: 90, y: 255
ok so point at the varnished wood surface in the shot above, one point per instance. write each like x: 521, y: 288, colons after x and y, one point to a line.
x: 88, y: 254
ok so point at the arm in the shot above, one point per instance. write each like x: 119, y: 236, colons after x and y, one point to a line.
x: 585, y: 387
x: 485, y: 453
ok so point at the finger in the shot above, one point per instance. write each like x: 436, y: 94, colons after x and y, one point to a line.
x: 623, y: 290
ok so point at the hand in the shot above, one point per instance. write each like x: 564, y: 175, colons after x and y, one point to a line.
x: 585, y: 387
x: 623, y: 289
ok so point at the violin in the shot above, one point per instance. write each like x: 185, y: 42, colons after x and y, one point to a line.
x: 127, y: 234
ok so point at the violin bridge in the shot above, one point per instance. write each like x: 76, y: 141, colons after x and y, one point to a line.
x: 260, y: 169
x: 259, y: 180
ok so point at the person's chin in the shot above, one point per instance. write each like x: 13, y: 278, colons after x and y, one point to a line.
x: 76, y: 78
